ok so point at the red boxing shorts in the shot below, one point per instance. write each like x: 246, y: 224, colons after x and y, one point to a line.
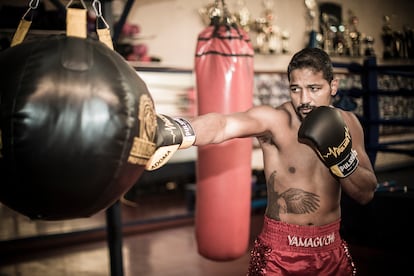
x: 288, y: 249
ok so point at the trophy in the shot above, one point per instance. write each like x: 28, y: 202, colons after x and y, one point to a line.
x: 354, y: 35
x: 313, y: 34
x: 369, y: 46
x: 387, y: 38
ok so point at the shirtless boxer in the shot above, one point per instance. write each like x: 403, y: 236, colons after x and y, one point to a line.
x: 308, y: 161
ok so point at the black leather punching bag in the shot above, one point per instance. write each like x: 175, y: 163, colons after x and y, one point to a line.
x: 77, y: 127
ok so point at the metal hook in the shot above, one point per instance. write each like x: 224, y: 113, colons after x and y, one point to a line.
x: 97, y: 7
x: 222, y: 15
x: 33, y: 4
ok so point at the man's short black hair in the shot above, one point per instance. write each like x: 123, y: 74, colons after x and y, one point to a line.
x: 312, y: 58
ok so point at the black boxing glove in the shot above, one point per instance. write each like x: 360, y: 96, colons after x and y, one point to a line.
x: 325, y: 130
x: 172, y: 134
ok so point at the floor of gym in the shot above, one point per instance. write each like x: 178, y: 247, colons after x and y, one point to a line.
x: 158, y: 239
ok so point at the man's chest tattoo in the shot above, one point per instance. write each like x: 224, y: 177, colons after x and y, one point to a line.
x: 291, y: 201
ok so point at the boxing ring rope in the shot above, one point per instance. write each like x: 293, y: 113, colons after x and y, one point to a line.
x: 371, y: 99
x: 371, y: 93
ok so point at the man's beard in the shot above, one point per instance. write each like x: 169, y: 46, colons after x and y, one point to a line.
x: 304, y: 107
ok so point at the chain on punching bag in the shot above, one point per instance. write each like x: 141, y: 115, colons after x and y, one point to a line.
x: 224, y: 78
x: 77, y: 124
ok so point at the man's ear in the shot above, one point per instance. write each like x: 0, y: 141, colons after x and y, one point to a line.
x: 334, y: 86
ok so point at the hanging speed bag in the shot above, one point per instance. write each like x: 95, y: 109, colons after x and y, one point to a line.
x: 77, y: 127
x: 224, y: 79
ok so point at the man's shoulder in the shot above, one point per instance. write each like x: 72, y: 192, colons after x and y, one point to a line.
x: 286, y: 113
x: 278, y: 114
x: 349, y: 116
x: 286, y: 107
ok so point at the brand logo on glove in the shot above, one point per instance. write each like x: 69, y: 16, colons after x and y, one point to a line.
x: 336, y: 151
x: 188, y: 131
x: 161, y: 160
x: 169, y: 126
x: 350, y: 163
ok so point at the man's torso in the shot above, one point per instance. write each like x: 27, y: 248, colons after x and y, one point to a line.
x: 300, y: 189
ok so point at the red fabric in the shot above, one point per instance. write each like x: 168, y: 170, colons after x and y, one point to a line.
x: 286, y: 249
x: 224, y: 79
x: 224, y: 70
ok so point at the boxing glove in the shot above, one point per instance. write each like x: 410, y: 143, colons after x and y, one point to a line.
x: 172, y: 134
x: 325, y: 130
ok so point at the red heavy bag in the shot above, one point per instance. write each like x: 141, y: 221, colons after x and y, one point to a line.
x: 224, y: 79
